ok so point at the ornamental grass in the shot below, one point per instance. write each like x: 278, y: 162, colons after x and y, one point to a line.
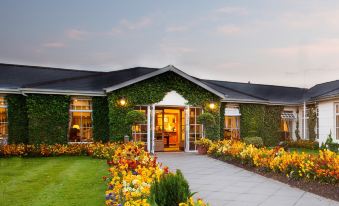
x: 322, y: 167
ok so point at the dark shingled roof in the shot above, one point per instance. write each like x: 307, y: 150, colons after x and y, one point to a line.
x: 270, y: 93
x: 96, y: 82
x: 323, y: 90
x: 36, y: 77
x: 16, y: 76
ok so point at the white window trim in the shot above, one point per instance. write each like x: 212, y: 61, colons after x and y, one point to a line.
x: 336, y: 136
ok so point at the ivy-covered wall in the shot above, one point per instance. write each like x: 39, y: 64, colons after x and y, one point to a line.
x: 262, y: 121
x: 152, y: 91
x: 48, y: 118
x: 100, y: 119
x: 17, y: 119
x: 312, y: 122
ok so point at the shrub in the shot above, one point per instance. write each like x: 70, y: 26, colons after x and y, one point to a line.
x: 307, y: 144
x: 256, y: 141
x: 208, y: 121
x: 170, y: 190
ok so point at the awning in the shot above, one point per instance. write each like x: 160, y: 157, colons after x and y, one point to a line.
x: 287, y: 115
x: 232, y: 112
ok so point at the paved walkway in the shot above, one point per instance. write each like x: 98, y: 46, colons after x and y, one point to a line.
x: 221, y: 184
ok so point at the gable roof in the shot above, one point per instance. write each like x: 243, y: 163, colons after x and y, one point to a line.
x: 47, y: 80
x: 324, y: 90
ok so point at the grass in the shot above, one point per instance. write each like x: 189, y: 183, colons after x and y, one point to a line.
x: 300, y: 150
x: 52, y: 181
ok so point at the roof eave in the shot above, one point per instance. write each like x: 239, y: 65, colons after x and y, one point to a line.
x: 61, y: 92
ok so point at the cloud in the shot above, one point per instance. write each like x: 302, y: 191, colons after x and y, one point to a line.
x: 322, y: 47
x: 54, y: 45
x: 139, y: 24
x: 176, y: 28
x: 228, y: 29
x: 76, y: 34
x: 314, y: 18
x: 241, y: 11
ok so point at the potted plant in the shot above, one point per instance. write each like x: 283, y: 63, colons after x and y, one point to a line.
x: 203, y: 145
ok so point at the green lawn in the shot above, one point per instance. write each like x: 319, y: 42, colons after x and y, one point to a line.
x: 300, y: 150
x: 52, y: 181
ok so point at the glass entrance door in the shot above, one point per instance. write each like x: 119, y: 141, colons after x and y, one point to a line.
x: 169, y: 134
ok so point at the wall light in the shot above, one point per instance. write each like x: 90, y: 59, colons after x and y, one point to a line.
x: 211, y: 105
x: 122, y: 102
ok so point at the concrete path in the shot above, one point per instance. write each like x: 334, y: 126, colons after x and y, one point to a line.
x: 222, y: 184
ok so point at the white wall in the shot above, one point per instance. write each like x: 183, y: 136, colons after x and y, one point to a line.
x: 173, y: 98
x: 327, y: 119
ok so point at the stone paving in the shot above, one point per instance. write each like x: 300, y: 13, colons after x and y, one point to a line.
x: 222, y: 184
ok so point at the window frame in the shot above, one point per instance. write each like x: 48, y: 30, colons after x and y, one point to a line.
x: 135, y: 134
x: 73, y: 110
x: 237, y: 123
x: 5, y: 123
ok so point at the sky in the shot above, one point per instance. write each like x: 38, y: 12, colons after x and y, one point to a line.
x: 280, y: 42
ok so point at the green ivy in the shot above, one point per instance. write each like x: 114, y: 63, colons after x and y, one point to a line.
x: 312, y: 122
x: 100, y: 119
x: 48, y: 118
x: 17, y: 119
x: 151, y: 91
x: 261, y: 121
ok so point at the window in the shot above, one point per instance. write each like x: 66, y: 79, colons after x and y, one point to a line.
x: 287, y: 118
x: 337, y: 121
x: 139, y: 131
x: 3, y: 119
x: 81, y: 120
x: 232, y: 123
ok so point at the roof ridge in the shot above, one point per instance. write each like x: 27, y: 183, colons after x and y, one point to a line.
x: 271, y: 85
x: 51, y: 68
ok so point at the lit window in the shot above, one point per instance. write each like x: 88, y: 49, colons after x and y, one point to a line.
x: 232, y: 123
x: 81, y: 120
x: 3, y: 120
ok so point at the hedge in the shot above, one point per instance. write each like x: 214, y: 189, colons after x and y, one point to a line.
x: 48, y: 118
x: 100, y: 119
x: 153, y: 90
x: 17, y: 119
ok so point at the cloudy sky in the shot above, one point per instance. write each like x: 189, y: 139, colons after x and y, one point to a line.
x: 285, y: 42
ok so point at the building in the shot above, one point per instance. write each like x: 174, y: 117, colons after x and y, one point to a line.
x: 52, y: 105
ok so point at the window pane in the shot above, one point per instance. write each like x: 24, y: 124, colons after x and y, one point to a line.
x: 81, y: 127
x: 81, y: 104
x: 3, y: 123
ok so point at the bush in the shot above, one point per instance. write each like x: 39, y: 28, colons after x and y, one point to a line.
x: 170, y: 190
x: 208, y: 121
x: 307, y: 144
x: 256, y: 141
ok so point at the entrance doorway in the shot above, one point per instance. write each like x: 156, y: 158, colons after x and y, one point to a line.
x: 169, y: 129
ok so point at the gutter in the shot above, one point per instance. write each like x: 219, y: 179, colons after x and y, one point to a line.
x: 26, y: 91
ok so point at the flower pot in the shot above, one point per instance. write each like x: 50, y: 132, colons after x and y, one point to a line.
x: 201, y: 150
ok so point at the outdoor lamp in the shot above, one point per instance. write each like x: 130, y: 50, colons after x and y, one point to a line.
x: 122, y: 101
x: 211, y: 105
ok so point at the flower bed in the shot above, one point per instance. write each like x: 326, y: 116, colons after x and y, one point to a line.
x: 132, y: 173
x: 323, y: 167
